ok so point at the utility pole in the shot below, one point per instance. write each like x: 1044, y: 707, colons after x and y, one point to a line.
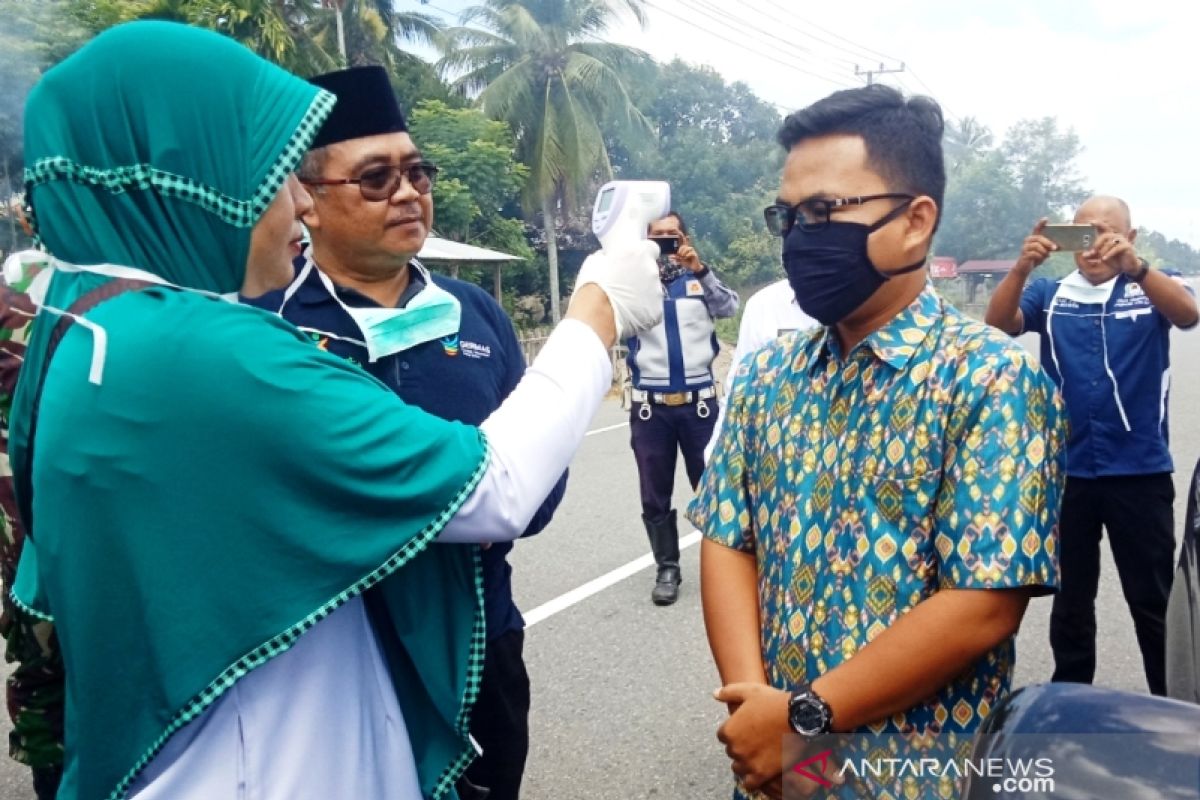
x: 871, y: 73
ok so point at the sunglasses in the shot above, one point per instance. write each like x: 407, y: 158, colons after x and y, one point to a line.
x: 813, y: 215
x: 380, y: 183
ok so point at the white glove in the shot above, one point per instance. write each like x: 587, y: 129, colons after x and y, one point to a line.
x: 629, y: 276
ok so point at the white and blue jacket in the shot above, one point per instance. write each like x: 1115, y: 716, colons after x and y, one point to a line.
x: 1108, y: 349
x: 677, y: 354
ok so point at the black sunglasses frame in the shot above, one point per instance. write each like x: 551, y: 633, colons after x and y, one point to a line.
x: 422, y: 176
x: 780, y: 218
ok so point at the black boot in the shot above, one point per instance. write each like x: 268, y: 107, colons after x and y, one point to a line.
x: 46, y: 781
x: 664, y: 542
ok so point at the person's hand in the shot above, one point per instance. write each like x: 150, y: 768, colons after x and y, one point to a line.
x: 1115, y: 250
x: 753, y: 735
x: 688, y: 256
x: 1036, y: 249
x: 629, y: 277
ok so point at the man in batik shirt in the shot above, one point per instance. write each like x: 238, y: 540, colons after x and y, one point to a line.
x: 35, y: 688
x: 884, y: 498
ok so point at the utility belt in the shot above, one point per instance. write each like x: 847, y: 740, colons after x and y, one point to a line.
x: 644, y: 400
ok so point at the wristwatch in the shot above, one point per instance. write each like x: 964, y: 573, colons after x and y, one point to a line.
x: 808, y: 713
x: 1141, y: 273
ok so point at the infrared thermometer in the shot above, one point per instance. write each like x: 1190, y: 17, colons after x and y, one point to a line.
x: 625, y: 209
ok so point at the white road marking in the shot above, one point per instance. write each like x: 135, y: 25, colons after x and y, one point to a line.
x: 581, y: 593
x: 609, y: 428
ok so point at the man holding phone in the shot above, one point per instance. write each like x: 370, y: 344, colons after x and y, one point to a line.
x: 674, y: 398
x: 1105, y: 332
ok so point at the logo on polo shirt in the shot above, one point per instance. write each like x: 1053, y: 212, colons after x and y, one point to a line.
x: 1133, y: 290
x: 453, y: 346
x: 474, y: 350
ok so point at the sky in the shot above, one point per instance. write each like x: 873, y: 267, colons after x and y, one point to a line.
x: 1121, y: 74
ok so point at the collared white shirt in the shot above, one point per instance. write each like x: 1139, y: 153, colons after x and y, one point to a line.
x: 770, y: 313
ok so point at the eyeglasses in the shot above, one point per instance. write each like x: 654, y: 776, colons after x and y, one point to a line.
x: 813, y: 215
x: 380, y: 183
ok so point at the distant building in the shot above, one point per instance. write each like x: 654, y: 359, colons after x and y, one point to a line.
x: 979, y: 273
x: 943, y: 267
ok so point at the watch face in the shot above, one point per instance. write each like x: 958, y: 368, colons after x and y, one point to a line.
x: 807, y: 716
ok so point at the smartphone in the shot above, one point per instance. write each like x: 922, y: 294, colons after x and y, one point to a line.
x: 1070, y: 237
x: 667, y: 245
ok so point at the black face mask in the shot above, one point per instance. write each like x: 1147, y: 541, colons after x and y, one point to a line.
x: 830, y: 271
x: 669, y: 270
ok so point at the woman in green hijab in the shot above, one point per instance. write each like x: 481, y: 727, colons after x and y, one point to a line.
x: 230, y: 528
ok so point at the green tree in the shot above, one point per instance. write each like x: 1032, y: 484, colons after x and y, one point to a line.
x: 983, y: 216
x: 1043, y: 163
x: 371, y: 31
x: 480, y: 176
x: 994, y: 195
x: 965, y: 140
x: 716, y: 147
x: 538, y: 65
x: 1163, y: 252
x: 279, y: 30
x: 476, y: 198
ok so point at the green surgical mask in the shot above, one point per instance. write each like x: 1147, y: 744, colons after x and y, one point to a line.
x: 433, y: 314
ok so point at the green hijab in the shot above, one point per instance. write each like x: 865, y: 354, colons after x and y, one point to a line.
x: 225, y: 485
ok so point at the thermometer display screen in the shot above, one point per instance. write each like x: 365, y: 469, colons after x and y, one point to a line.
x: 606, y: 201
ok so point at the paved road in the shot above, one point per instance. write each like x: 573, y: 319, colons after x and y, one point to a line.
x: 622, y: 706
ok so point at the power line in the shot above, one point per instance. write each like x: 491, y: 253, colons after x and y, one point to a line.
x: 795, y: 51
x: 860, y: 52
x: 800, y: 51
x: 725, y: 36
x: 711, y: 32
x: 742, y: 24
x: 925, y: 85
x: 928, y: 90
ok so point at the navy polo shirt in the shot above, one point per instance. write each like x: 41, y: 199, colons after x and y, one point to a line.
x: 1099, y: 353
x: 464, y: 377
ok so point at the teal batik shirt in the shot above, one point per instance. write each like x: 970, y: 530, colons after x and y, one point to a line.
x: 930, y: 457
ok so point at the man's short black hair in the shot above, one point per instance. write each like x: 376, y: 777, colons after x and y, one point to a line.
x: 678, y: 218
x: 903, y: 137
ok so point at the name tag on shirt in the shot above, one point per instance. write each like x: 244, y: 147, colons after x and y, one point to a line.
x: 694, y: 288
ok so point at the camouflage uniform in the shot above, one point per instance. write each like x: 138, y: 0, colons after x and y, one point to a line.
x: 36, y: 689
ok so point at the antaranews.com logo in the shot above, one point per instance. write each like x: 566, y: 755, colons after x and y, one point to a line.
x: 1006, y: 774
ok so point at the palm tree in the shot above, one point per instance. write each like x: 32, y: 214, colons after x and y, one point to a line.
x: 275, y: 29
x: 370, y: 31
x: 965, y: 139
x: 540, y: 66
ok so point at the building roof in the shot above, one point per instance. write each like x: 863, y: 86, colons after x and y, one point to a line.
x: 436, y: 249
x: 978, y: 267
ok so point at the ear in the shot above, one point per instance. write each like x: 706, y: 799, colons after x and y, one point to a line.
x: 1132, y: 235
x: 922, y: 217
x: 312, y: 218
